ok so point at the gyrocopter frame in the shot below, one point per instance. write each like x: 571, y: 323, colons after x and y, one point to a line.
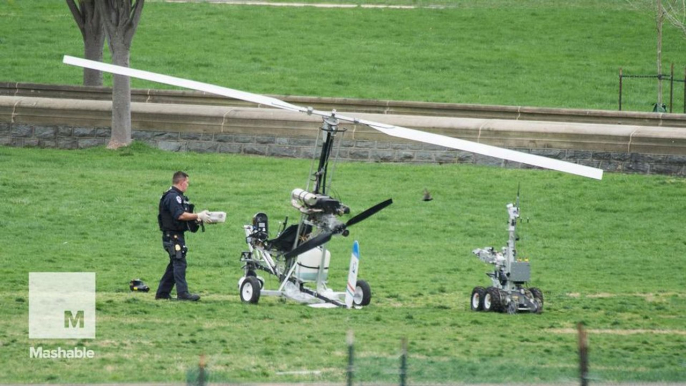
x: 298, y: 255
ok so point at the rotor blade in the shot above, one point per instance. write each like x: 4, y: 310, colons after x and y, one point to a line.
x: 369, y: 212
x: 395, y: 131
x: 190, y: 84
x: 480, y: 148
x: 309, y: 244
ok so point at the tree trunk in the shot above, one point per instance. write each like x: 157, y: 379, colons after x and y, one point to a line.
x: 93, y: 45
x: 120, y: 18
x: 87, y: 18
x: 121, y: 100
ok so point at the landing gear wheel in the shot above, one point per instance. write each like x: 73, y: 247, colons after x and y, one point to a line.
x: 492, y: 300
x: 250, y: 290
x: 253, y: 274
x: 363, y: 294
x: 477, y: 299
x: 538, y: 297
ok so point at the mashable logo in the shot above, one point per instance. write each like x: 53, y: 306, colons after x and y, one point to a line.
x: 61, y: 305
x: 71, y: 321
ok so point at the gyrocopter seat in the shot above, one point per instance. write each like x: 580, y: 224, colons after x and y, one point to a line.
x: 285, y: 240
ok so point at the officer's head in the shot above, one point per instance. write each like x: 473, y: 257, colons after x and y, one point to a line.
x: 180, y: 181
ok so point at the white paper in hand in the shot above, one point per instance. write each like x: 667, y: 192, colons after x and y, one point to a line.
x: 217, y: 217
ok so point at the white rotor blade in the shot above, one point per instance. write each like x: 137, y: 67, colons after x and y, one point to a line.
x: 395, y: 131
x: 488, y: 150
x: 190, y: 84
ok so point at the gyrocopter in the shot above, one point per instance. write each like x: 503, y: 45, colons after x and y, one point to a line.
x: 297, y: 256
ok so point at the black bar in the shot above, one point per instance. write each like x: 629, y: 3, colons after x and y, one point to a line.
x: 321, y: 297
x: 319, y: 187
x: 583, y: 355
x: 403, y: 363
x: 620, y: 90
x: 671, y: 87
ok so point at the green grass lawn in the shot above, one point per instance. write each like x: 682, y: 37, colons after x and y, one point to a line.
x: 532, y: 53
x: 610, y: 254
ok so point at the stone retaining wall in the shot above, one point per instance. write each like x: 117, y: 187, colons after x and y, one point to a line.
x: 189, y: 97
x: 72, y: 124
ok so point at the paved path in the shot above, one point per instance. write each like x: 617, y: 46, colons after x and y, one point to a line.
x: 278, y: 4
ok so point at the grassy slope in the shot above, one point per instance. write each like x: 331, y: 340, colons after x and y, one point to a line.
x: 609, y: 254
x: 538, y: 53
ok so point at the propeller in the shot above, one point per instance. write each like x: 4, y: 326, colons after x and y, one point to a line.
x: 369, y: 212
x: 324, y: 237
x: 314, y: 242
x: 395, y: 131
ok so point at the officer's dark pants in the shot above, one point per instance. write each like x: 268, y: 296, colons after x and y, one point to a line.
x: 175, y: 273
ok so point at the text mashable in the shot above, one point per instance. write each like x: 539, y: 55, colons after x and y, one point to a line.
x: 60, y: 353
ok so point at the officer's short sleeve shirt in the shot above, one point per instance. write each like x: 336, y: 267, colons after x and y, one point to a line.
x: 174, y: 203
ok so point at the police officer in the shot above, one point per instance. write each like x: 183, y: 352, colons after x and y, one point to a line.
x: 176, y: 217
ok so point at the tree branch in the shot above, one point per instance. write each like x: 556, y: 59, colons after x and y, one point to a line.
x: 134, y: 18
x: 104, y: 7
x: 78, y: 16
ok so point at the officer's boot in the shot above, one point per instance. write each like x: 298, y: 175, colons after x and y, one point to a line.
x: 188, y: 296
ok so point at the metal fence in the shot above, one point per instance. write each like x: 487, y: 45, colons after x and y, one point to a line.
x: 201, y: 375
x: 669, y: 79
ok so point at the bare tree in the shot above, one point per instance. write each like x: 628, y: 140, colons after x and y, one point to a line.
x: 88, y: 20
x: 675, y: 12
x: 120, y: 18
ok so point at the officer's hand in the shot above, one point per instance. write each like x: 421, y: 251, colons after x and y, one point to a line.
x: 204, y: 216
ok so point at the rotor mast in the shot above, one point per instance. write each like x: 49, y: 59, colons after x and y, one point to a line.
x: 330, y: 128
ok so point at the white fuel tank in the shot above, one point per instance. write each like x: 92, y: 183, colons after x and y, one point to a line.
x: 308, y: 265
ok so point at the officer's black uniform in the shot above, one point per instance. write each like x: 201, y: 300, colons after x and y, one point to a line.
x: 172, y: 205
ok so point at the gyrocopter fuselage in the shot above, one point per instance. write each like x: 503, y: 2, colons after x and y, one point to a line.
x: 298, y: 255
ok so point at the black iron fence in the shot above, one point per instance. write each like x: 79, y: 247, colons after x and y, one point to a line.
x: 668, y: 79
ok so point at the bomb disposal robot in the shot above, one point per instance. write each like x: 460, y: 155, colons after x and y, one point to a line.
x: 509, y: 278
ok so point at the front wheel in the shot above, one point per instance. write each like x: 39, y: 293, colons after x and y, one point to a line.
x: 477, y: 299
x: 538, y: 297
x: 492, y: 300
x: 363, y: 293
x: 259, y: 279
x: 250, y: 290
